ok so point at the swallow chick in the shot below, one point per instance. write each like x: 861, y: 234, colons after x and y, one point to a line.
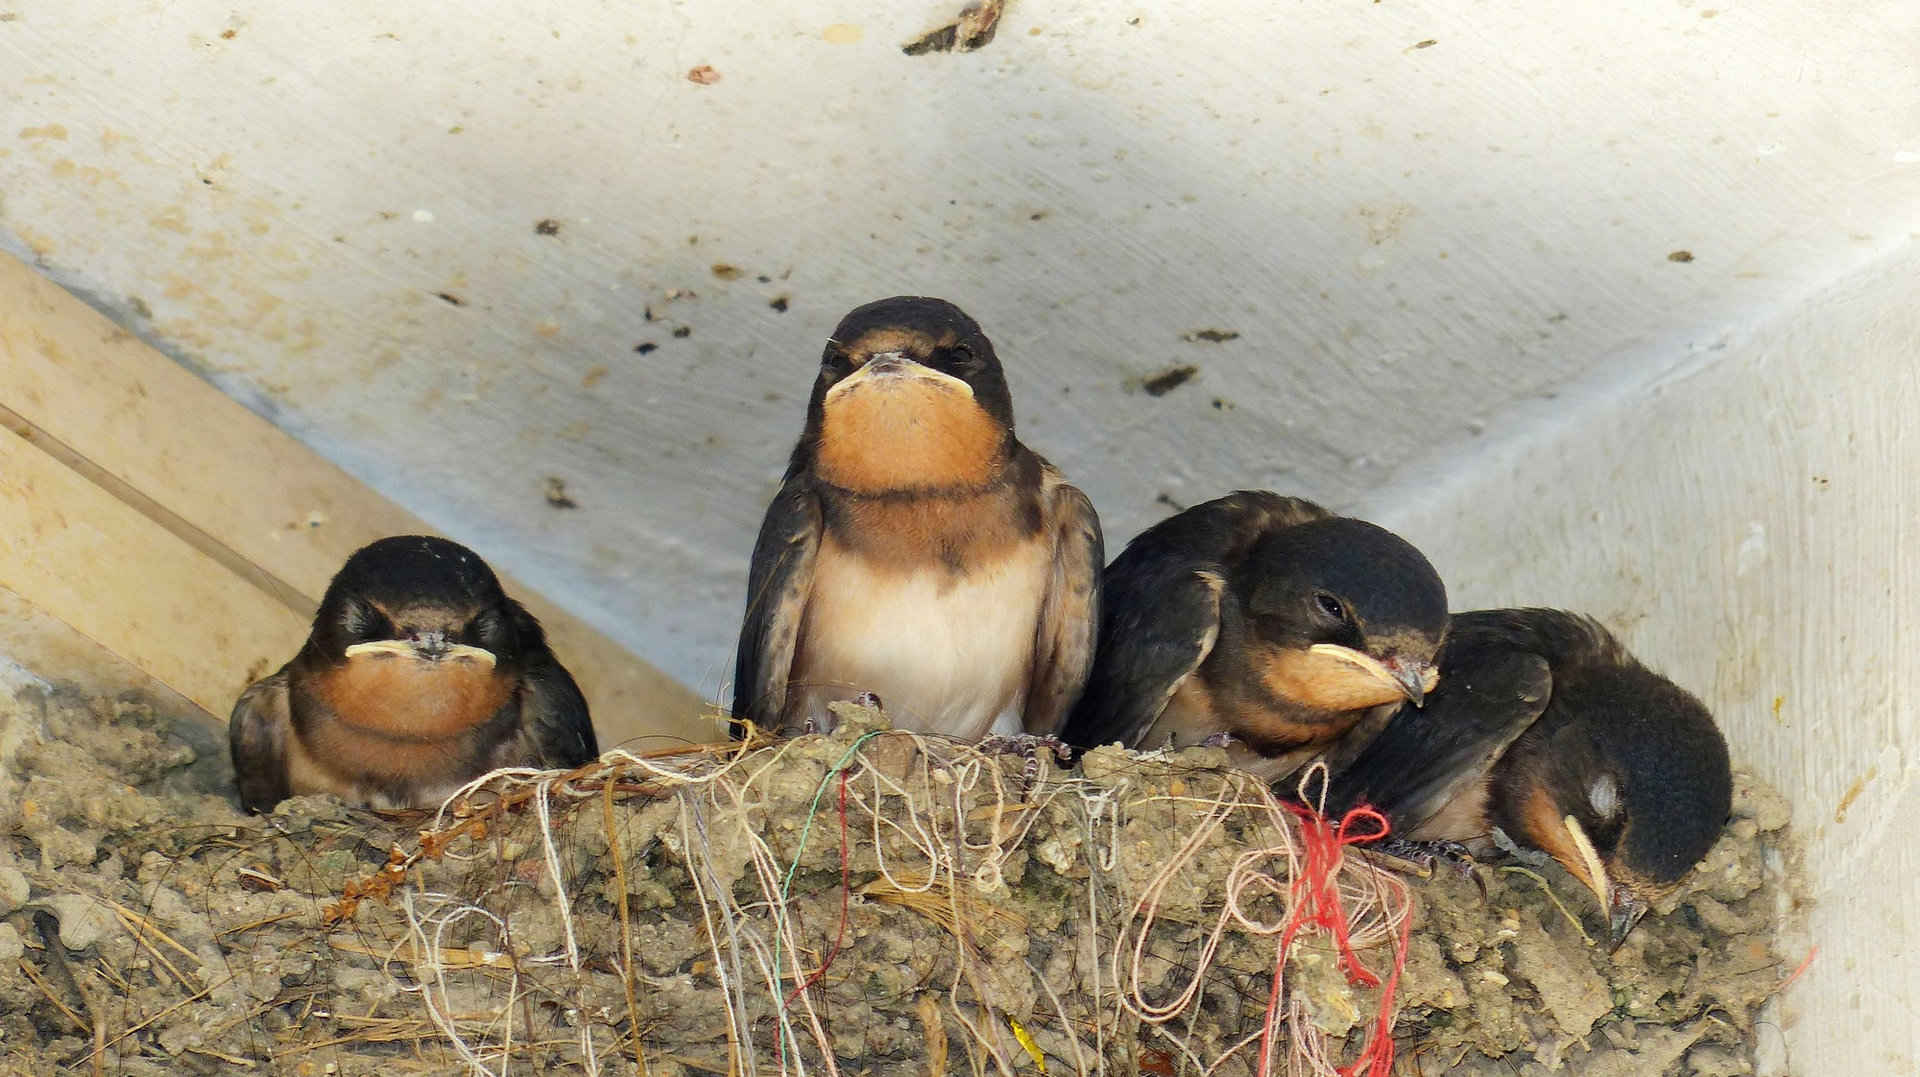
x: 1264, y: 621
x: 419, y: 675
x: 916, y: 549
x: 1546, y: 736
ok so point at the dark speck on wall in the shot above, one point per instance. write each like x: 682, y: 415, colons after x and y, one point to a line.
x: 546, y: 226
x: 1170, y: 379
x: 683, y: 332
x: 779, y: 303
x: 449, y: 297
x: 1680, y: 256
x: 557, y: 493
x: 725, y: 271
x: 1211, y: 336
x: 974, y: 28
x: 645, y: 346
x: 941, y: 40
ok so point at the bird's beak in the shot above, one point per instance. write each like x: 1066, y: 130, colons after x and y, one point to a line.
x: 1624, y: 908
x: 1415, y: 678
x: 1410, y: 679
x: 426, y: 647
x: 887, y: 366
x: 1623, y: 911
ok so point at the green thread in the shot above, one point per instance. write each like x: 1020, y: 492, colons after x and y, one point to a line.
x: 786, y: 886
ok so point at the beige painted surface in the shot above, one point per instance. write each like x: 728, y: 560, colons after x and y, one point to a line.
x: 33, y: 640
x: 80, y: 555
x: 118, y: 439
x: 1752, y: 526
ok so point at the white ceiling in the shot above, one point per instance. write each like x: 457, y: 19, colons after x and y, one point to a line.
x: 1423, y: 219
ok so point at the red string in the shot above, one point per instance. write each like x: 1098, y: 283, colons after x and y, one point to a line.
x: 846, y: 892
x: 1797, y: 973
x: 1377, y: 1055
x: 1316, y: 890
x: 1315, y: 898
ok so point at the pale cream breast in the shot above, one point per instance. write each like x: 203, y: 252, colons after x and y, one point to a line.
x: 945, y: 652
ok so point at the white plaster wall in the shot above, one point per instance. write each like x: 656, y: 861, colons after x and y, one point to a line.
x: 1751, y: 524
x: 1418, y: 215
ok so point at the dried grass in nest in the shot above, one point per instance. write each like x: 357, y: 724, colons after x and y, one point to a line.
x: 1069, y: 928
x: 869, y: 901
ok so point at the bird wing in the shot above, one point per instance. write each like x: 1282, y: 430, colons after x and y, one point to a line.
x: 1160, y: 610
x: 1427, y: 756
x: 555, y: 727
x: 257, y: 734
x: 1070, y: 611
x: 778, y: 583
x: 1146, y: 649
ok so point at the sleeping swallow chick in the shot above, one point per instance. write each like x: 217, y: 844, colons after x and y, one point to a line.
x: 916, y: 549
x: 419, y: 675
x: 1546, y: 736
x: 1265, y: 619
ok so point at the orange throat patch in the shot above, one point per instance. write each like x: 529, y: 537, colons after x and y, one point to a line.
x: 409, y: 698
x: 905, y: 433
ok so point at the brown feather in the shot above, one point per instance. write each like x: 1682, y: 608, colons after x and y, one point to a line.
x: 1070, y: 610
x: 259, y: 732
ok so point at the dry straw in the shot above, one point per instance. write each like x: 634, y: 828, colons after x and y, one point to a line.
x: 1083, y: 913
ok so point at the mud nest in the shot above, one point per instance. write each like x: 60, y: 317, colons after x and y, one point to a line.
x: 868, y: 901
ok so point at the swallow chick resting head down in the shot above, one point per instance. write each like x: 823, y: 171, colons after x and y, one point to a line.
x: 1265, y: 619
x: 419, y: 675
x: 1546, y: 736
x: 916, y: 549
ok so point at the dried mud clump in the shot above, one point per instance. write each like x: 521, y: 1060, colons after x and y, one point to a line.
x: 863, y: 901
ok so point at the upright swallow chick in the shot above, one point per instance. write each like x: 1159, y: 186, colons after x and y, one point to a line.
x: 420, y: 674
x: 916, y: 549
x: 1265, y: 619
x: 1547, y: 736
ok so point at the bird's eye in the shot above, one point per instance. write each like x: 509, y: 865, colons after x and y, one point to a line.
x: 1329, y: 605
x: 488, y: 630
x: 363, y: 622
x: 962, y: 357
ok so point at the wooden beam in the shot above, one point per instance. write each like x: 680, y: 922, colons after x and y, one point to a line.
x: 81, y: 555
x: 255, y: 507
